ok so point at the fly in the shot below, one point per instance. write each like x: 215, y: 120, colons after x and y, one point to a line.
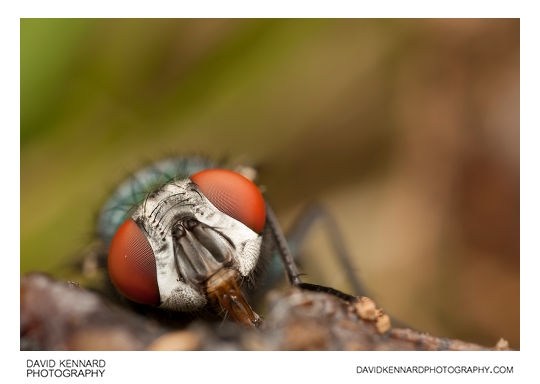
x: 184, y: 235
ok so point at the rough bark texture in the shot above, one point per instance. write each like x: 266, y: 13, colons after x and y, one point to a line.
x: 62, y: 316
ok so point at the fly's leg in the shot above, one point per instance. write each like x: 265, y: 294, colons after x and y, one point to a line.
x: 284, y: 252
x: 289, y: 264
x: 332, y: 291
x: 317, y: 213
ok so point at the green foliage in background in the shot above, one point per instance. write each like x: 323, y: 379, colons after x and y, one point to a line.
x: 101, y: 97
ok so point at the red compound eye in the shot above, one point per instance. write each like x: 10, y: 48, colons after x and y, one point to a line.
x: 132, y: 265
x: 234, y: 195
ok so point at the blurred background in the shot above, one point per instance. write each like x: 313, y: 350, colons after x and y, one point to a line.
x: 406, y: 130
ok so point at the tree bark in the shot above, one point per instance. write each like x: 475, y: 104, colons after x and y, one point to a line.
x: 62, y: 316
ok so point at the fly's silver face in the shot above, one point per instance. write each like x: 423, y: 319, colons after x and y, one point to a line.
x: 191, y: 242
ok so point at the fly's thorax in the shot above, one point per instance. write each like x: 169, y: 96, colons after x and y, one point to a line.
x: 192, y: 240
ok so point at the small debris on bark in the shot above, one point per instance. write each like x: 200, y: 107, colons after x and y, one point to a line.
x: 366, y: 308
x: 383, y: 323
x: 502, y: 345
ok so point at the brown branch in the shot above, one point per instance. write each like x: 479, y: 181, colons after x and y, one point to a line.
x: 63, y: 316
